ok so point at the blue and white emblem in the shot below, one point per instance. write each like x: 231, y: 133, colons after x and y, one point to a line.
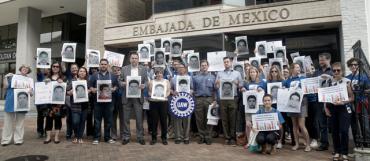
x: 182, y: 105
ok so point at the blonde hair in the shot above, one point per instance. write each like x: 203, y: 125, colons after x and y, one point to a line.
x: 248, y: 78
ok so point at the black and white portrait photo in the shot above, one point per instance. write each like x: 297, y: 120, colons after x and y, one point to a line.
x: 294, y: 55
x: 193, y: 62
x: 144, y: 52
x: 295, y: 99
x: 251, y: 101
x: 43, y: 57
x: 158, y: 90
x: 152, y: 45
x: 213, y: 112
x: 289, y: 100
x: 58, y: 93
x: 272, y: 88
x: 166, y: 44
x: 159, y: 56
x: 280, y: 52
x: 239, y: 66
x: 261, y: 49
x: 104, y: 90
x: 226, y: 90
x: 80, y: 93
x: 300, y: 61
x: 255, y: 62
x: 183, y: 84
x: 241, y: 44
x: 277, y: 62
x: 21, y: 100
x: 93, y: 58
x: 133, y: 89
x: 176, y: 48
x: 69, y: 52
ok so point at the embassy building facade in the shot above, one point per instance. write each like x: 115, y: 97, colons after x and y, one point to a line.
x: 309, y: 27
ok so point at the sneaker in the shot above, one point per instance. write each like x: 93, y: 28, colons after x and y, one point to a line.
x: 111, y: 141
x: 307, y: 149
x: 95, y: 142
x: 314, y: 144
x: 279, y: 146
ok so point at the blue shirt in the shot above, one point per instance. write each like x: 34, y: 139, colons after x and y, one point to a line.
x: 273, y: 110
x: 203, y: 84
x: 100, y: 76
x: 358, y: 82
x: 291, y: 79
x: 260, y: 85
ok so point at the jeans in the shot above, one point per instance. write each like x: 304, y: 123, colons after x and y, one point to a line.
x: 133, y: 104
x: 78, y: 123
x: 340, y: 119
x: 103, y: 111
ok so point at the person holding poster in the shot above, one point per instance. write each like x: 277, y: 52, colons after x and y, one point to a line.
x: 267, y: 139
x: 339, y: 113
x: 182, y: 125
x: 229, y: 108
x: 54, y: 116
x: 78, y: 110
x: 298, y: 119
x: 158, y: 108
x: 103, y: 110
x: 204, y: 92
x: 10, y: 115
x: 133, y: 104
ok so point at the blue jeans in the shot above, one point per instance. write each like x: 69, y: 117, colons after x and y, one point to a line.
x: 323, y: 126
x: 78, y: 123
x: 103, y: 110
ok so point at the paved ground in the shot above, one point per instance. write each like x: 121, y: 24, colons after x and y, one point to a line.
x: 66, y: 151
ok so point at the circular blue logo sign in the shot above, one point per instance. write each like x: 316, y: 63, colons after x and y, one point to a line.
x: 182, y: 105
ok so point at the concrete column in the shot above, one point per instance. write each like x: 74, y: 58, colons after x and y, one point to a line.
x: 28, y: 37
x: 95, y: 23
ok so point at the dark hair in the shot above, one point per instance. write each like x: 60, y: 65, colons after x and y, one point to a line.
x: 227, y: 83
x: 295, y: 94
x: 159, y: 52
x: 144, y: 48
x: 106, y: 60
x: 242, y: 40
x: 133, y: 81
x: 22, y: 93
x: 68, y: 46
x: 275, y: 63
x: 267, y: 95
x: 204, y: 61
x: 159, y: 85
x: 72, y: 64
x: 80, y: 85
x: 58, y: 87
x: 60, y: 74
x: 103, y: 86
x: 275, y: 87
x: 183, y: 81
x: 93, y: 52
x: 326, y: 55
x: 194, y: 56
x: 350, y: 61
x: 166, y: 41
x: 260, y: 45
x: 226, y: 57
x: 43, y: 52
x: 176, y: 44
x: 87, y: 73
x: 252, y: 96
x: 135, y: 53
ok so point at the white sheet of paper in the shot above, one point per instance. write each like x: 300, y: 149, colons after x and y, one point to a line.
x: 193, y: 62
x: 251, y: 101
x: 144, y: 52
x: 19, y: 81
x: 229, y: 93
x: 104, y: 94
x: 241, y: 44
x: 43, y: 93
x: 289, y: 100
x: 215, y: 60
x: 158, y: 91
x: 273, y: 89
x: 184, y: 87
x: 265, y: 122
x: 310, y: 85
x: 93, y: 58
x: 69, y: 52
x: 333, y: 93
x: 22, y: 100
x: 43, y: 61
x: 79, y: 89
x: 58, y: 95
x: 213, y: 113
x: 114, y: 59
x: 133, y: 90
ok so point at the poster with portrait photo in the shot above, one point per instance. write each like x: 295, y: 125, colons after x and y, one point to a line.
x: 58, y: 95
x: 22, y: 100
x: 239, y: 66
x: 289, y: 100
x: 278, y: 62
x: 273, y: 88
x: 300, y: 61
x: 261, y: 49
x: 226, y: 89
x: 215, y: 60
x: 294, y: 55
x: 166, y: 44
x: 69, y: 52
x: 251, y: 101
x: 272, y: 45
x: 193, y: 62
x: 176, y: 48
x: 266, y: 122
x: 20, y: 81
x: 333, y: 93
x: 325, y: 80
x: 80, y: 93
x: 183, y: 84
x: 152, y: 45
x: 159, y: 91
x: 241, y: 45
x: 280, y: 52
x: 159, y: 57
x: 93, y: 58
x: 43, y: 93
x: 43, y: 57
x: 133, y: 89
x: 255, y: 62
x: 104, y: 90
x: 114, y: 59
x: 213, y: 112
x: 144, y: 52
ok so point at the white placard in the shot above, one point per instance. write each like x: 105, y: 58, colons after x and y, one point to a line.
x: 213, y: 112
x: 176, y: 48
x: 69, y: 52
x: 333, y: 93
x: 241, y: 44
x: 289, y: 100
x: 93, y: 58
x: 239, y: 66
x: 133, y: 89
x: 144, y: 52
x: 255, y: 62
x: 159, y: 91
x: 159, y: 57
x: 226, y: 89
x: 80, y: 93
x: 193, y: 62
x: 278, y: 62
x: 21, y: 100
x: 43, y: 57
x: 104, y: 90
x: 114, y: 59
x: 265, y: 122
x: 261, y: 49
x: 215, y: 60
x: 252, y: 99
x: 273, y: 88
x: 58, y: 95
x: 19, y: 81
x: 294, y: 55
x: 166, y: 44
x: 183, y: 84
x: 310, y: 85
x: 300, y: 61
x: 43, y: 92
x: 152, y: 45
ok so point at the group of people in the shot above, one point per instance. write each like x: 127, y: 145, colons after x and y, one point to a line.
x: 311, y: 122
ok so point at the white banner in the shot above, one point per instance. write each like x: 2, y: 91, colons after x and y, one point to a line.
x: 215, y: 60
x: 43, y: 93
x: 310, y: 85
x: 114, y: 59
x: 265, y: 122
x: 333, y: 93
x: 19, y: 81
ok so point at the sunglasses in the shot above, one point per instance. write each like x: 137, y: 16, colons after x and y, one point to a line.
x: 55, y: 66
x: 353, y: 65
x: 273, y: 71
x: 336, y: 70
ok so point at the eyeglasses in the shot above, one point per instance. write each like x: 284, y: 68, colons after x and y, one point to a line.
x: 353, y: 65
x: 273, y: 71
x: 336, y: 70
